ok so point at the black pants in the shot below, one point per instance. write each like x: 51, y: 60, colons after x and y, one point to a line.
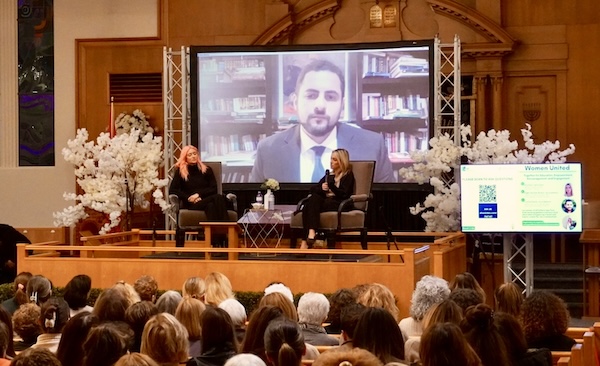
x: 312, y: 210
x: 215, y: 207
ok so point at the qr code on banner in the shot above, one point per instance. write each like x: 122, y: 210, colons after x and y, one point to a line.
x: 487, y: 193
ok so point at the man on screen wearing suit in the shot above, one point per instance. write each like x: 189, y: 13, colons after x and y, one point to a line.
x: 301, y: 153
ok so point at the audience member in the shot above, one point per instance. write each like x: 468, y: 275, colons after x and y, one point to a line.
x: 74, y: 334
x: 545, y: 319
x: 284, y: 343
x: 26, y: 322
x: 130, y: 293
x: 377, y: 331
x: 218, y: 338
x: 111, y: 305
x: 337, y: 301
x: 136, y: 316
x: 312, y: 312
x: 218, y: 288
x: 376, y: 295
x: 54, y: 316
x: 76, y: 294
x: 39, y: 289
x: 443, y: 312
x: 20, y: 297
x: 6, y: 319
x: 189, y: 311
x: 146, y: 287
x: 349, y: 318
x: 237, y: 312
x: 165, y: 340
x: 4, y: 339
x: 136, y: 359
x: 513, y: 336
x: 281, y: 301
x: 350, y: 357
x: 481, y: 333
x: 466, y: 297
x: 280, y: 287
x: 509, y: 298
x: 168, y: 302
x: 245, y: 359
x: 106, y: 343
x: 35, y: 357
x: 467, y: 280
x: 443, y: 344
x: 194, y: 287
x: 429, y: 290
x: 259, y: 320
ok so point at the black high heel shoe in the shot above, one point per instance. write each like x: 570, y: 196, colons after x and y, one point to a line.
x: 310, y: 242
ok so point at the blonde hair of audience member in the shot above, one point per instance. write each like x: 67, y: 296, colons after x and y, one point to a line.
x: 443, y: 312
x: 376, y: 295
x: 146, y: 287
x: 135, y: 359
x: 129, y: 292
x: 168, y: 302
x: 218, y: 288
x: 106, y: 343
x: 281, y: 301
x: 483, y: 335
x: 189, y: 311
x: 39, y: 289
x: 467, y: 280
x: 245, y: 359
x: 284, y: 343
x: 35, y: 357
x: 26, y: 322
x: 194, y: 287
x: 353, y: 357
x: 443, y: 344
x: 165, y: 340
x: 509, y: 298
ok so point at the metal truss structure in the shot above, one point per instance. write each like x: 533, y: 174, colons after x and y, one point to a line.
x: 447, y: 85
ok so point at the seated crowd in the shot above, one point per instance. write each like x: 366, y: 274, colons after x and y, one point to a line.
x: 204, y: 325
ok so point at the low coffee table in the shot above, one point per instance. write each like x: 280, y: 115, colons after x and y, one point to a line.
x: 260, y: 227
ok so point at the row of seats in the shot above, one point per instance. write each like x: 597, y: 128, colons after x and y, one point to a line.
x: 585, y: 352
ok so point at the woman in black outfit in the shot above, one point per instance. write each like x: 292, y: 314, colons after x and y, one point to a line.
x: 327, y: 195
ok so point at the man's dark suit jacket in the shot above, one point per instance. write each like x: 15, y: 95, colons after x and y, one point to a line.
x: 278, y: 156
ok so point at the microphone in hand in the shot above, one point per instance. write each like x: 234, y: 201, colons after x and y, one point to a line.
x: 326, y: 182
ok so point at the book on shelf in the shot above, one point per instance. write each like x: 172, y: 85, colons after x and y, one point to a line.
x: 378, y: 106
x: 406, y: 65
x: 233, y: 69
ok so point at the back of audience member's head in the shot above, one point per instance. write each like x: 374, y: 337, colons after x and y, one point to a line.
x: 4, y: 338
x: 284, y: 343
x: 353, y: 357
x: 281, y: 301
x: 136, y: 359
x: 378, y: 332
x: 351, y: 313
x: 111, y: 305
x: 259, y: 320
x: 165, y: 340
x: 467, y: 280
x: 168, y: 302
x: 279, y: 287
x: 466, y: 297
x: 512, y: 333
x: 481, y: 333
x: 106, y: 343
x: 54, y: 315
x: 376, y: 295
x: 194, y: 287
x: 77, y: 291
x: 544, y: 314
x: 130, y: 293
x: 36, y: 357
x: 74, y: 334
x: 189, y: 311
x: 236, y: 311
x: 20, y: 287
x: 217, y: 330
x: 429, y: 290
x: 313, y: 308
x: 5, y: 318
x: 39, y: 289
x: 245, y: 359
x: 26, y: 322
x: 337, y: 301
x: 443, y: 312
x: 146, y: 287
x: 443, y: 344
x: 136, y: 316
x: 218, y: 288
x: 509, y: 298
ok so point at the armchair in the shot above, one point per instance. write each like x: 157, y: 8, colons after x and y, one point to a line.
x: 334, y: 222
x: 188, y: 220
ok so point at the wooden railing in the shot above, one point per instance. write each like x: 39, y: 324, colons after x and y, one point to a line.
x: 584, y: 352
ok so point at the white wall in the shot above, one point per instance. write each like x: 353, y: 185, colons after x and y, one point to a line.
x: 29, y: 195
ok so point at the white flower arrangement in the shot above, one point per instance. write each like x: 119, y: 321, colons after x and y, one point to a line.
x: 138, y: 120
x: 115, y: 175
x: 271, y: 184
x: 441, y: 210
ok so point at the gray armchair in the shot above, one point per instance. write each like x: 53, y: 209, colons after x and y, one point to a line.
x: 334, y: 222
x: 188, y: 220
